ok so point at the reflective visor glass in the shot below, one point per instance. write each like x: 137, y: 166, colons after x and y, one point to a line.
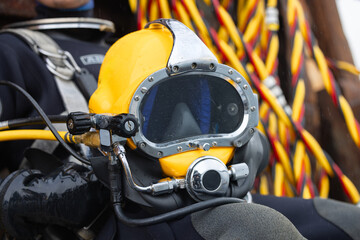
x: 190, y: 105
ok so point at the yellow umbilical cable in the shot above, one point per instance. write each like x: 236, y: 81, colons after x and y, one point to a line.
x: 154, y: 11
x: 349, y: 119
x: 232, y: 58
x: 165, y: 10
x: 264, y: 185
x: 272, y: 53
x: 296, y: 52
x: 183, y: 15
x: 298, y: 100
x: 254, y: 24
x: 12, y: 135
x: 245, y: 12
x: 279, y: 180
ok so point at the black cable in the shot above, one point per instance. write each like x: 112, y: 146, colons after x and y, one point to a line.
x: 181, y: 212
x: 116, y: 194
x: 20, y: 122
x: 46, y: 120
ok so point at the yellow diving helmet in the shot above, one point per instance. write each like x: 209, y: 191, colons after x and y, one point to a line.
x: 193, y: 111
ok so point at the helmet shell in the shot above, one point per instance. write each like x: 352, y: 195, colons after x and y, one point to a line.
x: 127, y: 63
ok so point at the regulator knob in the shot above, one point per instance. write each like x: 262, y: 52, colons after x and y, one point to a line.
x: 78, y: 123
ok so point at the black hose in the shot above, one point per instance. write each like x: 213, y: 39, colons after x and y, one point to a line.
x: 116, y: 194
x: 21, y: 122
x: 181, y: 212
x: 46, y: 120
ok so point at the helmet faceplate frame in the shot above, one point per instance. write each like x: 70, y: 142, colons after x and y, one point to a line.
x: 237, y: 138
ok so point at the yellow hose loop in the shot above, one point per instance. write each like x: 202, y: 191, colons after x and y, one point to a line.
x: 272, y: 124
x: 288, y: 189
x: 324, y: 186
x: 347, y: 67
x: 154, y: 11
x: 306, y: 192
x: 253, y: 27
x: 264, y: 109
x: 245, y: 14
x: 261, y: 128
x: 317, y: 151
x: 298, y: 100
x: 298, y: 159
x: 349, y: 119
x: 279, y: 180
x: 233, y: 60
x: 165, y: 10
x: 307, y: 165
x: 351, y: 189
x: 291, y: 12
x: 272, y: 3
x: 285, y: 161
x: 275, y: 106
x: 133, y: 5
x: 223, y: 34
x: 232, y: 30
x: 195, y: 15
x: 283, y: 134
x: 302, y: 20
x: 321, y: 61
x: 12, y: 135
x: 183, y: 15
x: 240, y: 9
x: 260, y: 66
x: 143, y: 21
x: 264, y: 185
x: 296, y: 52
x: 272, y: 53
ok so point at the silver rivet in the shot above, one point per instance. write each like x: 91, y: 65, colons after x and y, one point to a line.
x: 144, y: 90
x: 237, y: 143
x: 253, y: 108
x: 252, y: 130
x: 245, y: 87
x: 238, y: 80
x: 214, y: 144
x: 205, y: 147
x: 179, y: 149
x: 230, y: 71
x: 151, y: 79
x: 211, y: 66
x: 136, y: 98
x: 159, y: 154
x: 193, y: 65
x: 175, y: 68
x: 142, y: 145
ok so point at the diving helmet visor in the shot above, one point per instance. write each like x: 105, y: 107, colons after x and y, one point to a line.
x: 190, y: 105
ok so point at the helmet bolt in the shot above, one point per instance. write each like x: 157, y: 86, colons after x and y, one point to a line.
x: 142, y: 145
x: 159, y: 154
x: 136, y: 98
x: 151, y: 79
x: 230, y: 71
x: 211, y: 66
x: 253, y: 108
x: 175, y: 68
x: 179, y: 149
x: 193, y: 65
x: 245, y: 87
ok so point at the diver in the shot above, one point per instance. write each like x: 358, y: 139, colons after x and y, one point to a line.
x: 182, y: 175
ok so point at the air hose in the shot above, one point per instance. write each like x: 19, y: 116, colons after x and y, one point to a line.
x: 117, y: 198
x: 45, y: 119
